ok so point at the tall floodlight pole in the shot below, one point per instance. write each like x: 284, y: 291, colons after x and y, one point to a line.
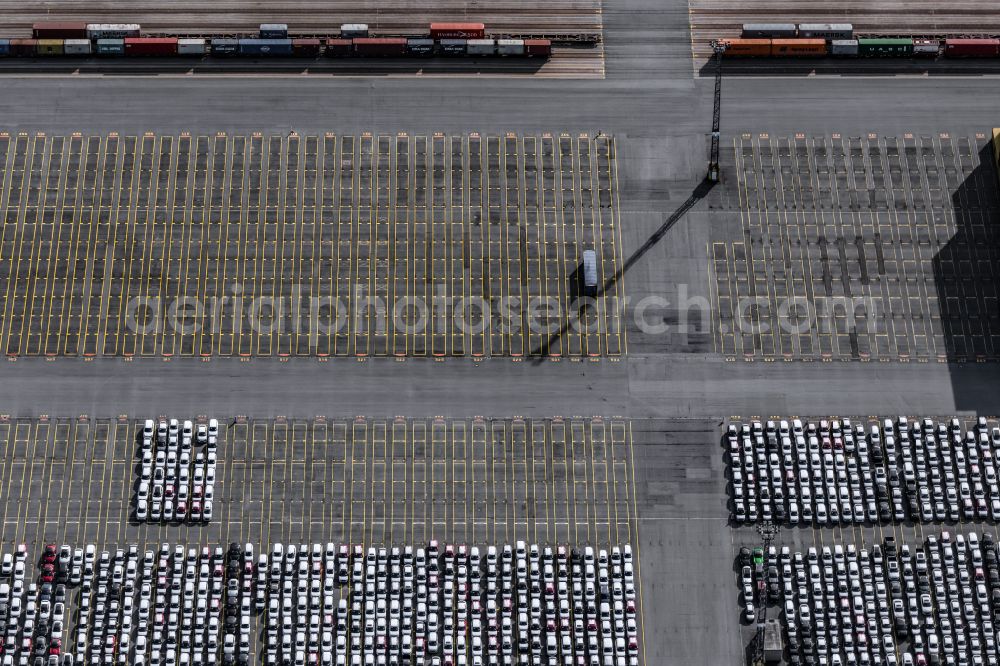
x: 718, y: 48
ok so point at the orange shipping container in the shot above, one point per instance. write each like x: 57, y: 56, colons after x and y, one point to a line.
x: 749, y: 47
x: 798, y: 47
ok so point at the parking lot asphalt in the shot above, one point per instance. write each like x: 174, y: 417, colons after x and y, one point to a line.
x: 217, y: 245
x: 670, y: 392
x: 360, y: 481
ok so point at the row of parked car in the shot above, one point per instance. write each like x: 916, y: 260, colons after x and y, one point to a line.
x: 933, y: 603
x: 175, y: 482
x: 839, y: 472
x: 33, y: 615
x: 451, y: 605
x: 322, y: 604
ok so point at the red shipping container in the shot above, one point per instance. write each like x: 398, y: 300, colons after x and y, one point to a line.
x: 305, y: 47
x: 150, y: 46
x: 339, y: 47
x: 798, y: 47
x: 380, y: 46
x: 537, y: 47
x: 749, y: 47
x: 458, y: 31
x: 23, y: 47
x: 971, y: 48
x: 59, y: 30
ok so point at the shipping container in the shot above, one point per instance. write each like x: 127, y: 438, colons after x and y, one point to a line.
x: 49, y: 47
x: 481, y: 47
x: 59, y: 30
x: 844, y: 47
x: 193, y: 46
x: 222, y: 46
x: 273, y: 30
x: 339, y: 47
x: 971, y: 48
x: 380, y: 46
x: 305, y: 47
x: 112, y: 30
x: 150, y: 46
x: 266, y: 47
x: 77, y: 47
x: 23, y: 47
x: 4, y: 47
x: 537, y: 48
x: 111, y: 46
x: 510, y: 47
x: 798, y: 47
x: 926, y: 48
x: 749, y: 47
x: 886, y: 46
x: 420, y: 46
x: 453, y: 46
x: 827, y: 31
x: 353, y: 30
x: 758, y: 30
x: 458, y: 31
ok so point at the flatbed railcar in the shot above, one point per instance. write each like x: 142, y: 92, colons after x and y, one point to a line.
x: 63, y: 38
x: 858, y: 46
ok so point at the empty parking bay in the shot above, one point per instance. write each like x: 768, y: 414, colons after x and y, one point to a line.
x: 870, y: 247
x: 307, y: 245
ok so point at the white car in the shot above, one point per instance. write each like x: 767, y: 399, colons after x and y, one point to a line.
x: 141, y: 509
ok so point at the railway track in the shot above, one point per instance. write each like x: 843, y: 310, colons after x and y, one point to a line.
x: 187, y: 17
x: 712, y: 19
x: 564, y: 63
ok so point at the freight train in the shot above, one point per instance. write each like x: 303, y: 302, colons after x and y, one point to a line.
x: 60, y: 38
x: 839, y: 40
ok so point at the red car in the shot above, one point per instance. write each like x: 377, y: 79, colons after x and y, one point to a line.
x: 48, y: 573
x: 49, y: 554
x: 55, y: 647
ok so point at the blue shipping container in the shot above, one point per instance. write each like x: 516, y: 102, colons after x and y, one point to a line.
x: 111, y: 46
x: 224, y: 47
x: 4, y: 47
x: 270, y: 47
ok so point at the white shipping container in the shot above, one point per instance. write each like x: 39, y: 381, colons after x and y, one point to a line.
x: 926, y: 48
x: 354, y: 30
x: 191, y: 46
x: 112, y: 30
x: 76, y: 47
x: 844, y: 47
x: 513, y: 47
x: 481, y: 47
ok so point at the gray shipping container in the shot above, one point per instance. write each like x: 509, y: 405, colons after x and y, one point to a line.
x: 844, y: 47
x: 273, y: 30
x: 354, y: 30
x: 76, y: 47
x: 481, y: 47
x: 926, y: 48
x: 222, y: 46
x: 111, y: 46
x: 112, y: 30
x: 589, y: 273
x: 761, y: 30
x: 453, y: 46
x: 419, y: 46
x: 510, y: 47
x: 191, y: 46
x: 826, y: 31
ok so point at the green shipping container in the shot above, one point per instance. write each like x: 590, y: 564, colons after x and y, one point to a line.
x: 885, y: 47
